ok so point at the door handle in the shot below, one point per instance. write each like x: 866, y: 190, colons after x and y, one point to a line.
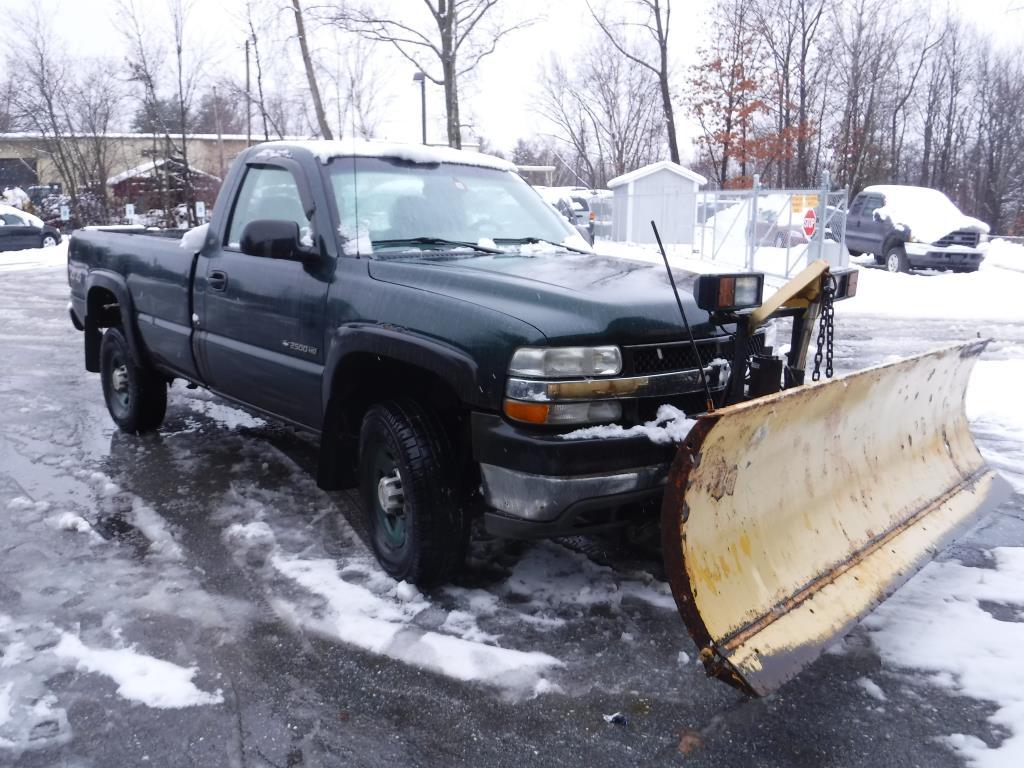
x: 217, y: 280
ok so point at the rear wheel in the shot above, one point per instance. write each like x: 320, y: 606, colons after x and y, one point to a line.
x: 136, y: 396
x: 896, y: 259
x: 408, y: 487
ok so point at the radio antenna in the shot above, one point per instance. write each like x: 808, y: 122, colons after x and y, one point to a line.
x: 709, y: 402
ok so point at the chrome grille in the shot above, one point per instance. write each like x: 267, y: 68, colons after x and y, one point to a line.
x: 680, y: 355
x: 960, y: 237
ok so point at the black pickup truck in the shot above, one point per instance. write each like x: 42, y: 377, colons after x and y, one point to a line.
x: 426, y: 314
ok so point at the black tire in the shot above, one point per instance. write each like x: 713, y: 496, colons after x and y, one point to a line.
x: 136, y: 396
x: 419, y: 534
x: 896, y: 258
x: 48, y: 241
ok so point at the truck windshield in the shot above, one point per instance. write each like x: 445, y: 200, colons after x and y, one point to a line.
x: 387, y: 206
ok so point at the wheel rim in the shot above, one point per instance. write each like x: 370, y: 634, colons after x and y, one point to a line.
x: 49, y: 242
x: 389, y: 500
x: 893, y: 262
x: 119, y: 389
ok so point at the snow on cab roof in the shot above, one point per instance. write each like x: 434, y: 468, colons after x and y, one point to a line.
x: 412, y: 153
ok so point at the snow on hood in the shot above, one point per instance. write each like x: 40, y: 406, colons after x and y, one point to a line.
x: 413, y: 153
x: 927, y: 213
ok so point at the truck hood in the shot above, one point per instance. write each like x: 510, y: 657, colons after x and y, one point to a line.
x: 572, y: 298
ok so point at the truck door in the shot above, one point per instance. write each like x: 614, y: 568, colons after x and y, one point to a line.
x: 854, y: 235
x: 260, y: 321
x: 868, y: 233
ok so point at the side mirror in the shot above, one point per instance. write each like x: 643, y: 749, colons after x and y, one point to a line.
x: 273, y: 239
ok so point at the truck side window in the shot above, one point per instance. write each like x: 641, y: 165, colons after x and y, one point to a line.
x: 267, y: 193
x: 871, y: 205
x: 858, y: 204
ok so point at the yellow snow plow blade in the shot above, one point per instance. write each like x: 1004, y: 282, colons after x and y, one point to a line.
x: 786, y: 519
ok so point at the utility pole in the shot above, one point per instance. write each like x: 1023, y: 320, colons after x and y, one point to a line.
x: 420, y: 78
x: 248, y: 99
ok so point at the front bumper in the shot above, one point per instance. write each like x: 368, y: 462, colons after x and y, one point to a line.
x: 540, y: 485
x: 938, y: 257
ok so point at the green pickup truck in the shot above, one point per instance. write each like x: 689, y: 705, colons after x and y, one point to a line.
x: 431, y: 318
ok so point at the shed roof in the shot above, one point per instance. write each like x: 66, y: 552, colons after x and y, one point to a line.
x: 663, y: 165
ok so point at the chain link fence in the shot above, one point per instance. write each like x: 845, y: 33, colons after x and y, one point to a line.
x: 775, y: 231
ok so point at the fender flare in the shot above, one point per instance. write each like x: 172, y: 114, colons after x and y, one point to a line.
x: 451, y: 365
x: 448, y: 363
x: 117, y: 285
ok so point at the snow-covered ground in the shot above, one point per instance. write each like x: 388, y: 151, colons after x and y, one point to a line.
x: 197, y: 589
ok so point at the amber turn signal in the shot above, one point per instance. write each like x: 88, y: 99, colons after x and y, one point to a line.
x: 531, y: 413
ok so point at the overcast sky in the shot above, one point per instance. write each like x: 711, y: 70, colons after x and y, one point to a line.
x: 499, y: 99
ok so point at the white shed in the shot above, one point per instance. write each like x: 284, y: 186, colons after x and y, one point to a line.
x: 664, y: 192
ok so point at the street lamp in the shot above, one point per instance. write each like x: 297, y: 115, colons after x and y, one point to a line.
x: 422, y: 80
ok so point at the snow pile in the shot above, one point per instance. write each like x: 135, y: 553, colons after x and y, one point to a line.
x: 420, y: 154
x: 927, y: 213
x: 353, y: 601
x: 1003, y: 254
x: 938, y: 623
x: 991, y: 407
x: 193, y: 240
x: 359, y: 616
x: 35, y: 258
x: 153, y: 682
x: 670, y: 425
x: 989, y: 294
x: 14, y: 197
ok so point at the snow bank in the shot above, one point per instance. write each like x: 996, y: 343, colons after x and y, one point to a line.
x: 670, y: 426
x: 150, y: 681
x: 325, y: 151
x: 936, y: 623
x: 927, y: 213
x: 1002, y: 254
x: 35, y: 258
x: 989, y: 294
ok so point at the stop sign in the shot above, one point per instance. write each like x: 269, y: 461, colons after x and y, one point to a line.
x: 810, y: 222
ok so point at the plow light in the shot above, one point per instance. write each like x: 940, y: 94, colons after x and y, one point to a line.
x: 726, y: 293
x: 846, y: 283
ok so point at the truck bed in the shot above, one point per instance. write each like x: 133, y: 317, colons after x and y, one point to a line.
x: 158, y: 274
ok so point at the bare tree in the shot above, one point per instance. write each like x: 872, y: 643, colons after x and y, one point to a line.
x: 657, y: 17
x: 307, y: 63
x: 789, y: 31
x: 70, y: 106
x: 446, y: 45
x: 607, y: 110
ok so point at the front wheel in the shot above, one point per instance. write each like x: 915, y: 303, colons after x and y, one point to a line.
x: 407, y: 483
x: 49, y: 241
x: 896, y: 259
x: 136, y: 396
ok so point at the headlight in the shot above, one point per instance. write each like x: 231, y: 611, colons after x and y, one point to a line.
x: 725, y: 293
x: 983, y: 237
x: 556, y: 362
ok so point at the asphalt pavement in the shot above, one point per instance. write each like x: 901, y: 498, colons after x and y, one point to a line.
x: 164, y: 568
